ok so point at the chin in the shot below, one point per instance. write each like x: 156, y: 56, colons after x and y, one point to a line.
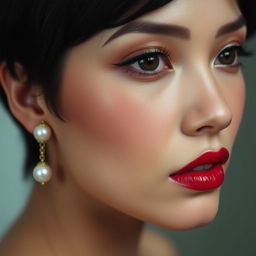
x: 198, y: 214
x: 191, y: 214
x: 190, y: 221
x: 193, y: 221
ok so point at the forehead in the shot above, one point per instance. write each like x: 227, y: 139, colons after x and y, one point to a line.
x: 196, y: 15
x: 181, y: 18
x: 197, y: 9
x: 188, y: 18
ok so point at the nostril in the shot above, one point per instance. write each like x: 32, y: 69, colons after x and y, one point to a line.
x: 206, y: 127
x: 211, y: 119
x: 215, y: 127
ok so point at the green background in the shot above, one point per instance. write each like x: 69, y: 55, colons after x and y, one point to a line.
x: 233, y: 230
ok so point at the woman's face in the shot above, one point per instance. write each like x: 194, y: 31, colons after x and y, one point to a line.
x: 140, y: 105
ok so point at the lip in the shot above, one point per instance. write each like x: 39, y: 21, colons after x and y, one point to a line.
x: 203, y: 180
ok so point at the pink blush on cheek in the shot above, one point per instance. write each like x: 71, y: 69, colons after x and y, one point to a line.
x: 113, y: 117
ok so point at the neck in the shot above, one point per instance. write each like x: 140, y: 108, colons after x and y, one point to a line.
x: 73, y: 223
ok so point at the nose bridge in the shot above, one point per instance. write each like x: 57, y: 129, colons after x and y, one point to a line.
x: 207, y: 109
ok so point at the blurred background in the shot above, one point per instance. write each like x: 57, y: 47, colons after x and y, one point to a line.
x: 232, y: 232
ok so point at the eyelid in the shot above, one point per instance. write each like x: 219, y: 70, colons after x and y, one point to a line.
x: 147, y: 52
x: 240, y: 52
x: 131, y: 67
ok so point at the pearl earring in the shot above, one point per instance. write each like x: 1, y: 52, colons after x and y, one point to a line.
x: 42, y: 172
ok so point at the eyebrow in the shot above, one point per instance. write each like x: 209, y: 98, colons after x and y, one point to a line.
x: 151, y: 28
x: 232, y: 26
x: 171, y: 30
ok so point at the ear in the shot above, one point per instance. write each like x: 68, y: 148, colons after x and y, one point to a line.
x: 22, y: 97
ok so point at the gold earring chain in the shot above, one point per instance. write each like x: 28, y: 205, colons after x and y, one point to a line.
x: 42, y: 152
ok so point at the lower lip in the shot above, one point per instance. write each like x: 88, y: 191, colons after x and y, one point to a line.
x: 201, y: 180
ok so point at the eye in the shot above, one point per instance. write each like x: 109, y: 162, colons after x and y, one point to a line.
x: 152, y: 63
x: 149, y: 63
x: 229, y: 56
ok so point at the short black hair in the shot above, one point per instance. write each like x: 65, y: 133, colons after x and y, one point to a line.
x: 38, y: 33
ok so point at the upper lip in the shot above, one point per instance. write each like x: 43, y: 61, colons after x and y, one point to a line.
x: 209, y: 157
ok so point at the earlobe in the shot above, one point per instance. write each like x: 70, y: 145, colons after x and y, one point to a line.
x: 22, y: 97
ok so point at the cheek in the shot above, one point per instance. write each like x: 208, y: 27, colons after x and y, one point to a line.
x: 113, y: 116
x: 235, y: 97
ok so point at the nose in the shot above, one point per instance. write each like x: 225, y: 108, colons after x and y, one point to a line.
x: 207, y: 111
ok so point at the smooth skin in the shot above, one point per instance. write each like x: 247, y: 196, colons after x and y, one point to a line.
x: 125, y: 132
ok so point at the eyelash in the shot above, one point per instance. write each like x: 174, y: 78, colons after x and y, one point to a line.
x: 240, y: 51
x: 132, y: 66
x: 163, y: 57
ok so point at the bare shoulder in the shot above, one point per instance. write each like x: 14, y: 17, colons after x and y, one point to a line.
x: 155, y: 244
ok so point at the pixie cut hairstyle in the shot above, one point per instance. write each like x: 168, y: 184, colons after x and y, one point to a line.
x: 37, y: 34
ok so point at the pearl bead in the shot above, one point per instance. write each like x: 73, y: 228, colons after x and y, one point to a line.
x: 42, y: 133
x: 42, y: 173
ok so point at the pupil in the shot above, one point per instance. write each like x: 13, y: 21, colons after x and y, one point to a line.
x: 149, y: 63
x: 227, y: 57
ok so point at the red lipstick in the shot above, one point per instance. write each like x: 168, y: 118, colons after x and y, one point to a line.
x: 203, y: 173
